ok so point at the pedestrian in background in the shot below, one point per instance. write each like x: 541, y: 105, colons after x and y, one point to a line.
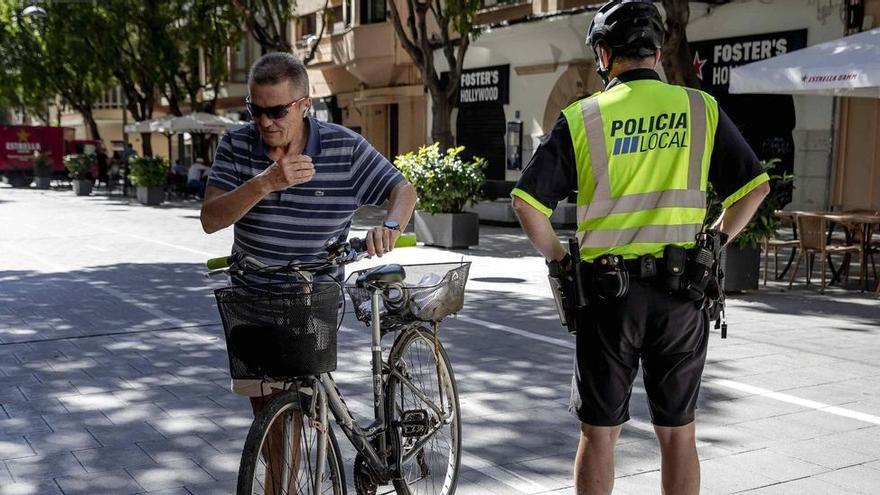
x: 103, y: 166
x: 179, y: 168
x: 639, y: 155
x: 196, y: 177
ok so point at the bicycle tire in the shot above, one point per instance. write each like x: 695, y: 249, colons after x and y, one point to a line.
x: 396, y: 403
x: 251, y: 453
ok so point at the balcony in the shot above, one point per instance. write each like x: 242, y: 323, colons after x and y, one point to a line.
x: 494, y: 11
x: 369, y: 52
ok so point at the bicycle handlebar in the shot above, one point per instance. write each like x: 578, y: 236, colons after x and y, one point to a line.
x: 219, y: 263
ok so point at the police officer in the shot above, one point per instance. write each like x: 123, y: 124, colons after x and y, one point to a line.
x: 639, y: 154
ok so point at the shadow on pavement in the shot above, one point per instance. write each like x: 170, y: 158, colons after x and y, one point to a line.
x: 98, y: 374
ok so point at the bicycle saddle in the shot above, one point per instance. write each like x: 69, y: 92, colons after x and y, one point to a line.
x: 385, y: 274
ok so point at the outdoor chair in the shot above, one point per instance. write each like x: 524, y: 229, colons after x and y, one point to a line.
x: 813, y: 239
x: 775, y: 243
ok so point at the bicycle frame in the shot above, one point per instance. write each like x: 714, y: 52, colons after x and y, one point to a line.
x: 329, y: 396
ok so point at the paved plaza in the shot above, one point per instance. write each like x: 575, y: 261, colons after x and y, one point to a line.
x: 114, y: 379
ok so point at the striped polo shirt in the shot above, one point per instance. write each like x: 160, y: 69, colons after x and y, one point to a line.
x: 294, y: 224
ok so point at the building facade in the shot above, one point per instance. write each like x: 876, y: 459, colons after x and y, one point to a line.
x: 530, y: 61
x: 549, y: 66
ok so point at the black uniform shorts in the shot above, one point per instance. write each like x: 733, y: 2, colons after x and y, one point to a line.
x: 670, y: 337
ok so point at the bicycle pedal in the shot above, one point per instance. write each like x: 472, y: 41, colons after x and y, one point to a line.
x: 414, y: 423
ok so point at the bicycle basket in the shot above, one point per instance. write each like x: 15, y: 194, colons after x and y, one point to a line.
x: 430, y: 292
x: 280, y: 330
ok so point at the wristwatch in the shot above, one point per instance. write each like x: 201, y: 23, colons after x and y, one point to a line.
x: 391, y: 224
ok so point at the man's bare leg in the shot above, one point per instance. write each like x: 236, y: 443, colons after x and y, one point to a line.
x: 679, y: 465
x: 273, y: 450
x: 594, y: 463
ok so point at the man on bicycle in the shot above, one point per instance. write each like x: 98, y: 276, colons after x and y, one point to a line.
x: 639, y: 155
x: 290, y: 183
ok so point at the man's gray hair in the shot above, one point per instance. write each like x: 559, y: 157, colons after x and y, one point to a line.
x: 278, y: 67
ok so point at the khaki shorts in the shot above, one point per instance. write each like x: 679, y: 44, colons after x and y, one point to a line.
x: 255, y: 388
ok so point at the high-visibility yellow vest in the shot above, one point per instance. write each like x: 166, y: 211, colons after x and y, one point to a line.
x: 642, y: 150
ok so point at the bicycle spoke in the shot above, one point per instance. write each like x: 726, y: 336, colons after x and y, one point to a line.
x: 431, y: 461
x: 286, y: 464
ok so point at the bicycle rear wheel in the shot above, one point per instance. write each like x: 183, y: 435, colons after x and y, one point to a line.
x: 268, y: 468
x: 432, y: 458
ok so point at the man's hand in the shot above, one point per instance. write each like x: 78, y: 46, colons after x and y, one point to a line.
x: 380, y: 240
x: 287, y: 171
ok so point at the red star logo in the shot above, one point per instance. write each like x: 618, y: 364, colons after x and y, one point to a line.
x: 23, y: 135
x: 698, y: 65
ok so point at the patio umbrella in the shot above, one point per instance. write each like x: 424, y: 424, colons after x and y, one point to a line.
x: 199, y: 122
x: 146, y: 126
x: 849, y: 66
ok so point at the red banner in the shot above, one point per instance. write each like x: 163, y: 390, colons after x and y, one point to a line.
x: 18, y: 144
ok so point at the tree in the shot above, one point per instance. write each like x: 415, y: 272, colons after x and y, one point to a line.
x: 47, y: 57
x: 268, y: 21
x: 454, y: 21
x: 195, y: 59
x: 677, y: 58
x: 194, y: 56
x: 127, y: 36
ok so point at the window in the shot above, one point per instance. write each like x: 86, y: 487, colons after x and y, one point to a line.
x: 110, y: 99
x: 373, y: 11
x: 308, y: 25
x: 335, y: 19
x: 242, y: 56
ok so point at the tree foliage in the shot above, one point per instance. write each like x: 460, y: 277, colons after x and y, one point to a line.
x: 176, y: 49
x: 48, y: 57
x: 195, y: 52
x: 454, y: 21
x: 267, y: 22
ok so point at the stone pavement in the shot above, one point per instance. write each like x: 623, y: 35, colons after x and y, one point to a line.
x: 114, y: 380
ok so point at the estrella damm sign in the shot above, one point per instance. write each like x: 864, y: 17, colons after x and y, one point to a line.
x: 665, y: 130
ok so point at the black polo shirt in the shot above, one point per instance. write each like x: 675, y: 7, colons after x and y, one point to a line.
x: 551, y: 174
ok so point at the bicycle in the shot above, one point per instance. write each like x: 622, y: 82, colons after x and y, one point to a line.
x: 414, y: 443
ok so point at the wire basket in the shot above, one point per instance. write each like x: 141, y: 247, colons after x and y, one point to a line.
x: 280, y: 330
x: 430, y: 292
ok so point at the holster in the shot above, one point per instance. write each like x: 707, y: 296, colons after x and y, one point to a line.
x: 565, y: 284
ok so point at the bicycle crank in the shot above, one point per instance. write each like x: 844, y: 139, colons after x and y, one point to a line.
x: 365, y: 480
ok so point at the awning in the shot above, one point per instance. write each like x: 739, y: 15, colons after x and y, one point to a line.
x: 848, y: 66
x: 198, y: 122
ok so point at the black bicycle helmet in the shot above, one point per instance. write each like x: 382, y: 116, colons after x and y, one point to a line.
x: 632, y: 28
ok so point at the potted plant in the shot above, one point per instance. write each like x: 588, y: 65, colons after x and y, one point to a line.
x: 445, y: 184
x: 42, y: 170
x: 79, y: 168
x: 150, y: 175
x: 741, y: 259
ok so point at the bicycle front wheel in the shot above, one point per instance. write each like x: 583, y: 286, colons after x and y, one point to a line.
x: 431, y: 449
x: 280, y: 455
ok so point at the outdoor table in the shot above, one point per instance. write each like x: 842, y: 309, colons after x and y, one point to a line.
x: 850, y: 221
x: 867, y: 222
